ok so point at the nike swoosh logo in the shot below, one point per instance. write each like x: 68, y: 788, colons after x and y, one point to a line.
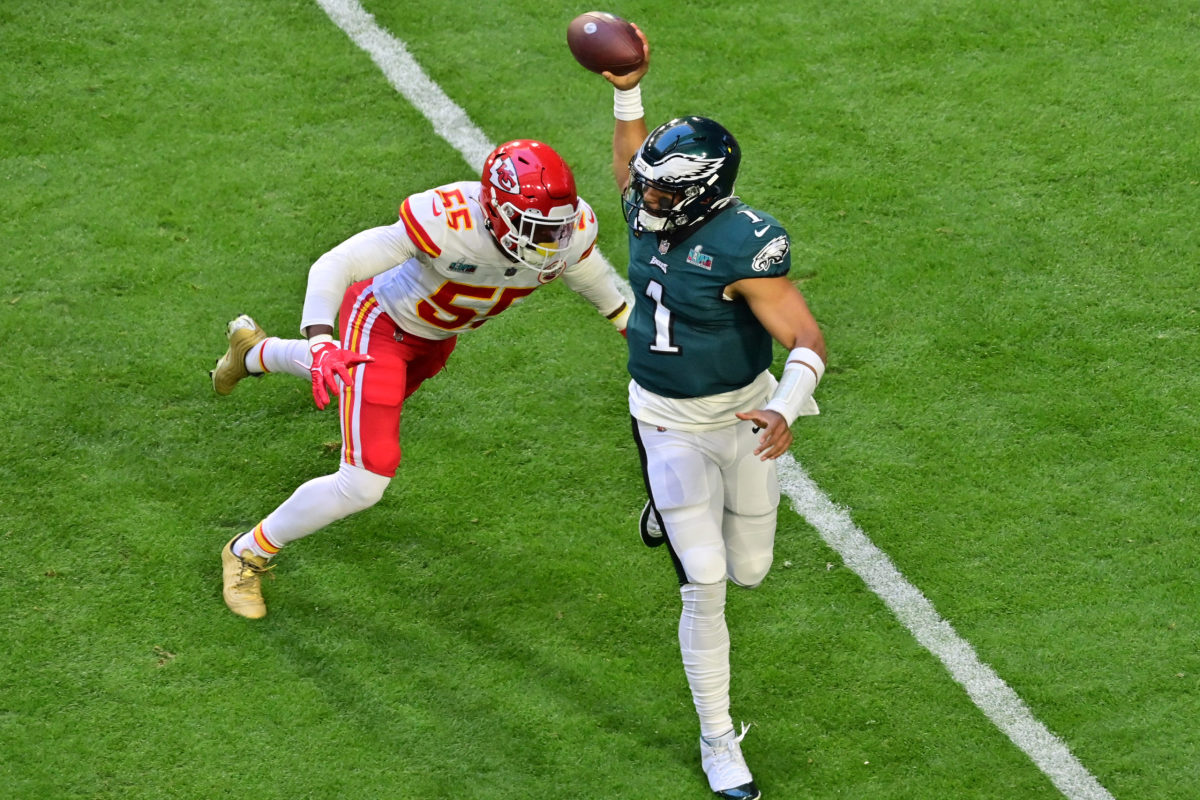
x: 762, y: 230
x: 437, y: 212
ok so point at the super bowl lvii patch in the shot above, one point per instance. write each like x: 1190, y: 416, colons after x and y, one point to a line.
x: 702, y: 260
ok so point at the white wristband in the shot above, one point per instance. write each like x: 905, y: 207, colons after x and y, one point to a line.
x: 320, y: 338
x: 620, y: 317
x: 801, y: 374
x: 627, y: 104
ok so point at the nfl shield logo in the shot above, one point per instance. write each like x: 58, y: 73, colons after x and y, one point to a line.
x: 702, y: 260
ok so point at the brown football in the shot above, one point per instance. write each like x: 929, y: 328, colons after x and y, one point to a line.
x: 604, y: 42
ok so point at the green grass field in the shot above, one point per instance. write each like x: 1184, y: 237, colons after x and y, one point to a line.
x: 992, y: 207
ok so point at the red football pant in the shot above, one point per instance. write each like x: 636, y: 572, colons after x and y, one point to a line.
x: 370, y: 406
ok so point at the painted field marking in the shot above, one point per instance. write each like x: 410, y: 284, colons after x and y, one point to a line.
x: 985, y: 688
x: 993, y: 696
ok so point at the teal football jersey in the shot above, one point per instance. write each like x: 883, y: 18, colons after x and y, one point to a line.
x: 685, y: 338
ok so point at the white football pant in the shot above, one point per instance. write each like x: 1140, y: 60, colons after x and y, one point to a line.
x: 717, y: 501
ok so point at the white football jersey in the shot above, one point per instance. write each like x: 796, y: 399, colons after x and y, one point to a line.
x: 439, y: 271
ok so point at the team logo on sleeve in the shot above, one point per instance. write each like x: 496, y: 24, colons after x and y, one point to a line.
x: 504, y: 175
x: 701, y: 260
x: 773, y: 253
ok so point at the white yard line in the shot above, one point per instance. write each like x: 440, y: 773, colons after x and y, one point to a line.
x: 406, y: 76
x: 991, y: 694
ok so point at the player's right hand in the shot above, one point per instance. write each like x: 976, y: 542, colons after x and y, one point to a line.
x: 776, y: 435
x: 631, y: 79
x: 330, y: 364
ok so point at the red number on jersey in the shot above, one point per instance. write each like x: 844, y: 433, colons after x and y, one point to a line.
x: 507, y: 298
x: 458, y: 216
x: 441, y: 309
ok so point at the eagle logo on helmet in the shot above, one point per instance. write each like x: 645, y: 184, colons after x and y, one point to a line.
x: 680, y: 168
x: 504, y: 175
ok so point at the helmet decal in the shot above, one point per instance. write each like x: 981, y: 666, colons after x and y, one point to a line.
x: 679, y: 168
x: 504, y: 174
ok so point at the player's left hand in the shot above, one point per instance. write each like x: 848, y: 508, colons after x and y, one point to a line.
x: 776, y: 434
x: 331, y: 368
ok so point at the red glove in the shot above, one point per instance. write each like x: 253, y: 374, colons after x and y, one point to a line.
x: 328, y: 362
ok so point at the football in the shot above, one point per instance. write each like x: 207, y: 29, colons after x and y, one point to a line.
x: 604, y: 42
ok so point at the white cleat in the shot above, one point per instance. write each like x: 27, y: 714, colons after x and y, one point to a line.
x: 723, y: 763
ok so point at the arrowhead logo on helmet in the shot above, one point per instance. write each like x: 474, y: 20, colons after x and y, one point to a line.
x: 504, y: 174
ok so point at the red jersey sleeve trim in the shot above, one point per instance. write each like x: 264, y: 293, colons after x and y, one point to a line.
x: 417, y: 233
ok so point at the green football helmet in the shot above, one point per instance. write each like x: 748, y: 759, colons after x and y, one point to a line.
x: 691, y: 164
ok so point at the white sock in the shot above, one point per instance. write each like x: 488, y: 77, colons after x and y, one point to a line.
x: 316, y: 504
x: 704, y: 645
x: 280, y: 355
x: 256, y: 541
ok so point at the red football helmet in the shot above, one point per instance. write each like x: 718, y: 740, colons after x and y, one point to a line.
x: 530, y: 202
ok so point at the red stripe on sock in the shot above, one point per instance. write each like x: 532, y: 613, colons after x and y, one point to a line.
x: 260, y: 539
x: 261, y: 362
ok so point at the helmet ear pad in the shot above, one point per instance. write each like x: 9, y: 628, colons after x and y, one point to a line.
x: 694, y: 156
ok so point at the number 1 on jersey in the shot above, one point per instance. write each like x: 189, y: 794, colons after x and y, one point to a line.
x: 662, y: 321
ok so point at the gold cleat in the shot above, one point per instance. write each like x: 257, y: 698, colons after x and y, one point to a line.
x: 243, y: 582
x: 242, y: 333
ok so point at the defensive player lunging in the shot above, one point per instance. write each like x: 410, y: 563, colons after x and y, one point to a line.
x: 709, y: 278
x: 459, y: 255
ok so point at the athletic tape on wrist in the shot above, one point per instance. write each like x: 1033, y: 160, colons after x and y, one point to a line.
x: 320, y: 338
x: 801, y: 374
x: 627, y: 104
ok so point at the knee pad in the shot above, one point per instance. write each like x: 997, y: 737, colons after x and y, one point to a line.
x: 703, y: 564
x: 361, y: 488
x: 751, y: 547
x: 696, y: 541
x: 750, y: 575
